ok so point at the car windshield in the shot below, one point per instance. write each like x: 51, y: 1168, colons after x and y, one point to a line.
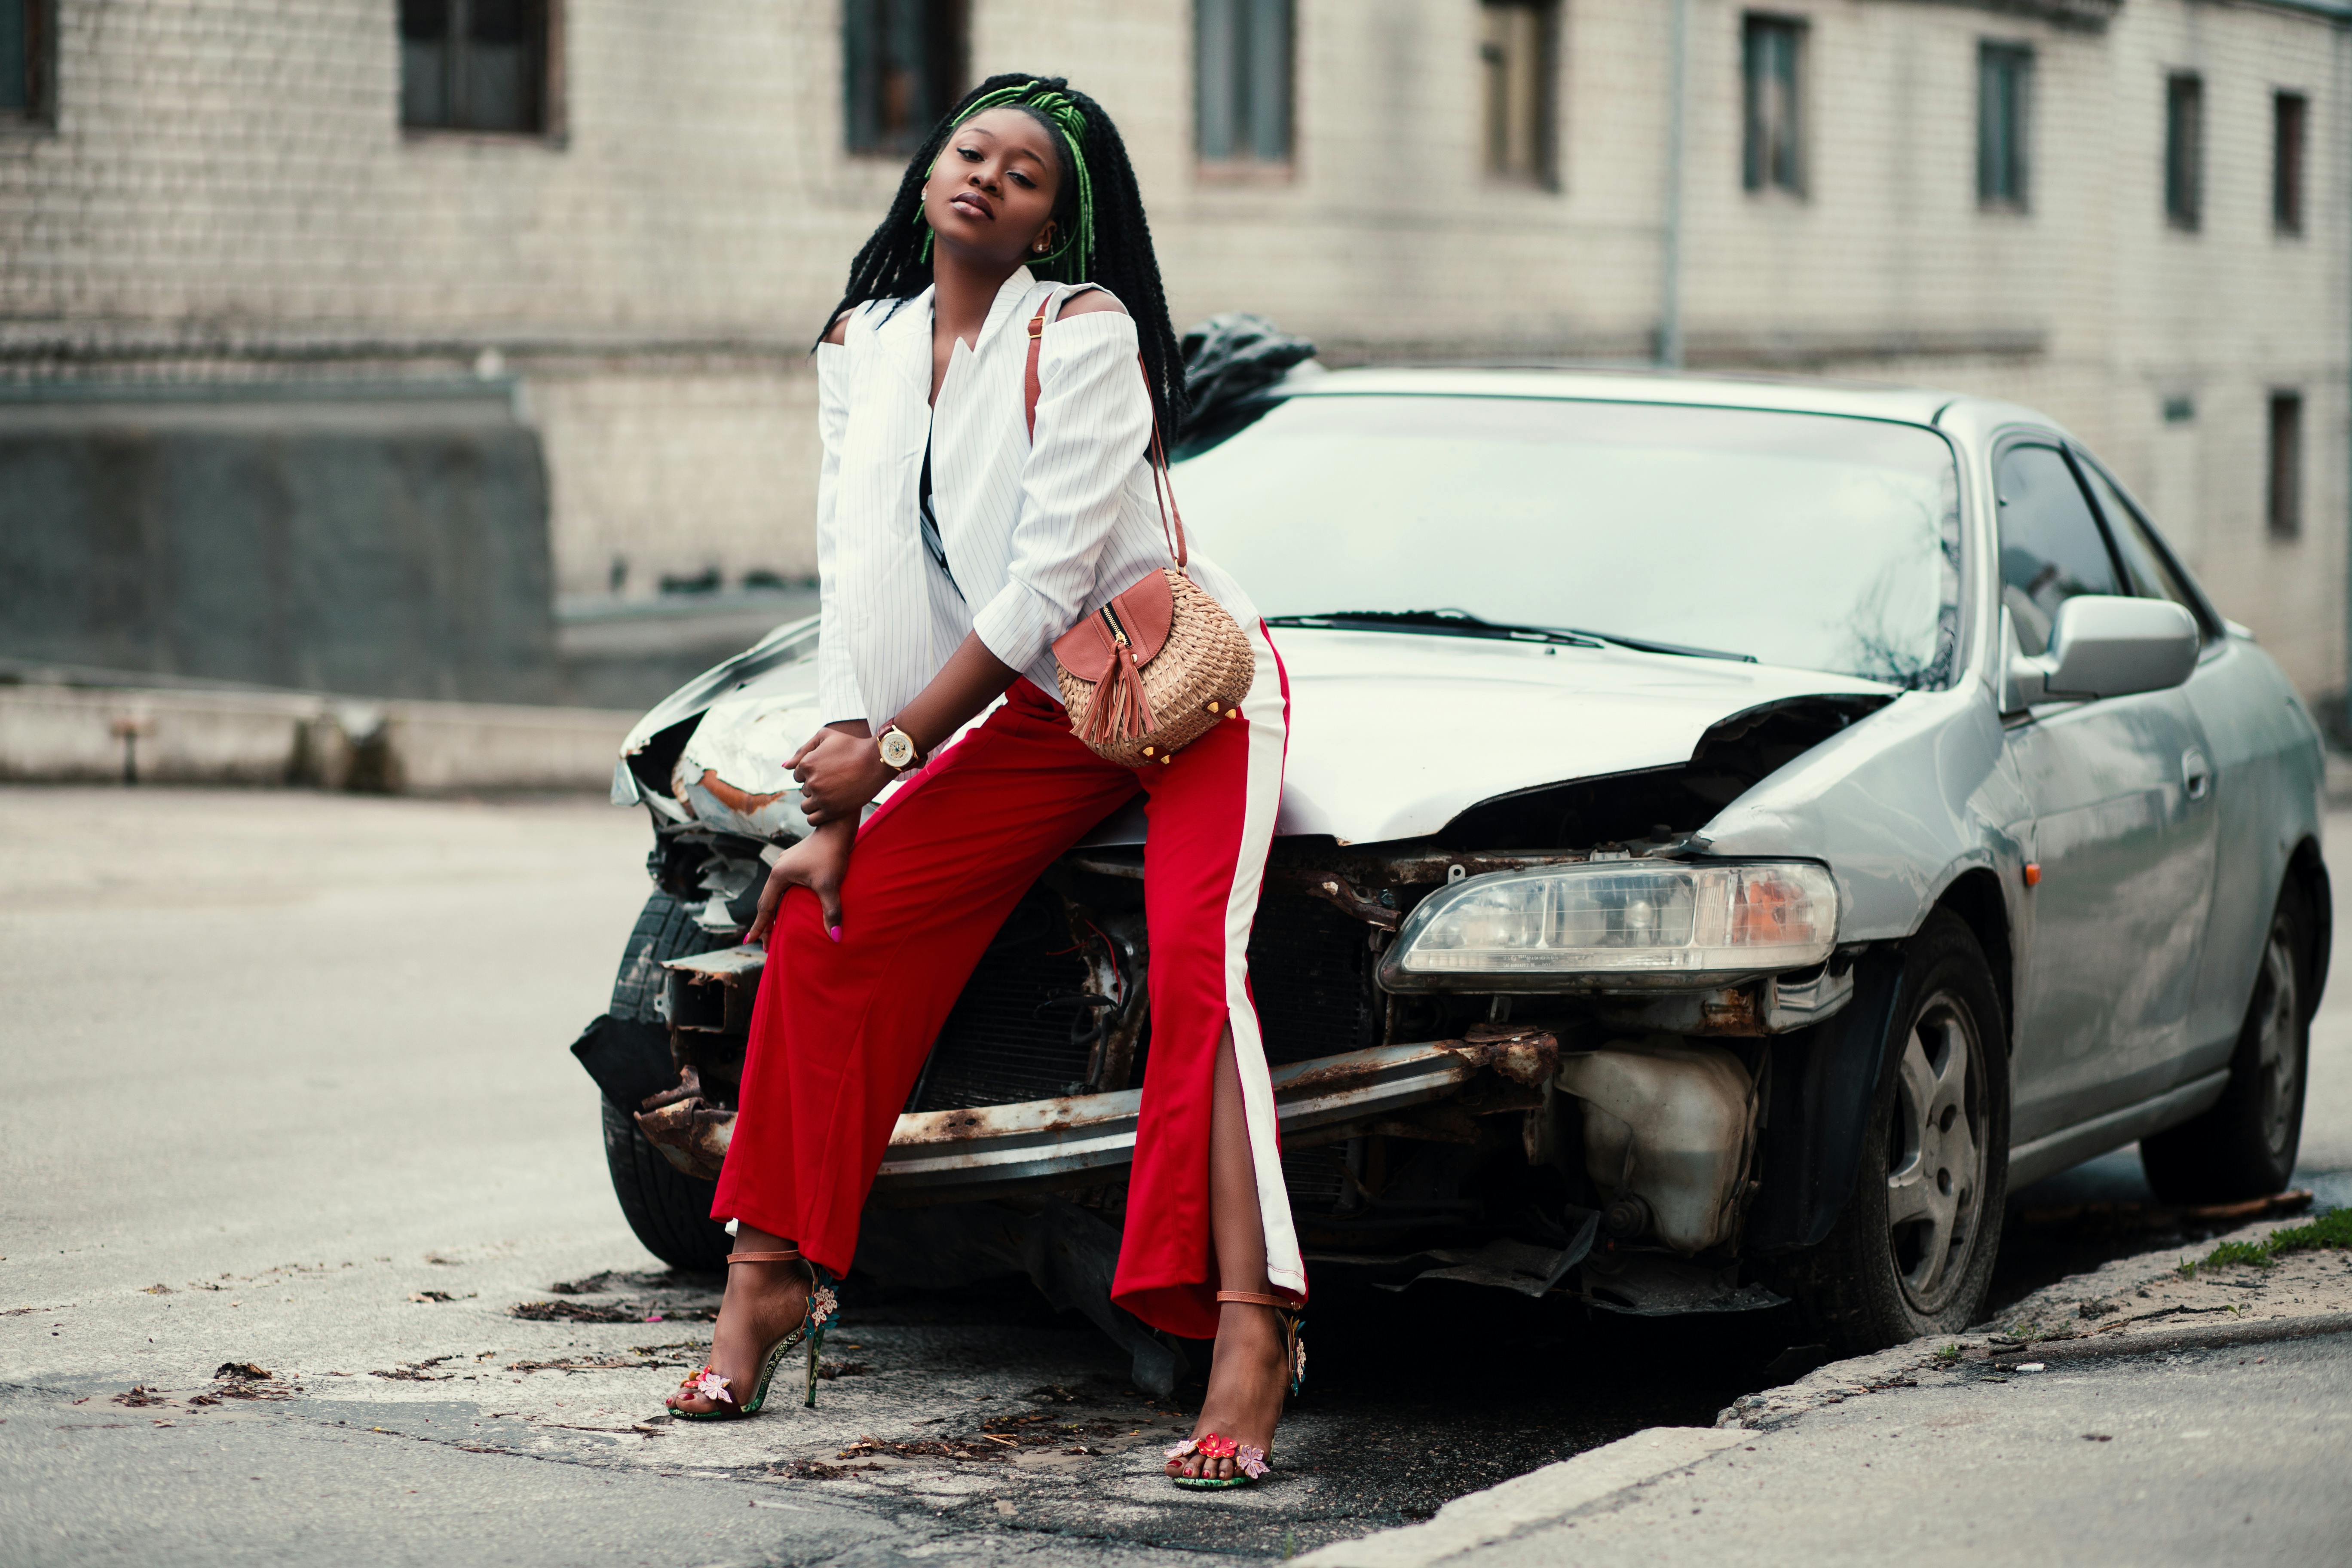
x: 1805, y: 539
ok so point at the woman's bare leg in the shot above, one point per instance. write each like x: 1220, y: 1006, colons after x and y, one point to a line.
x: 764, y: 1302
x: 1251, y: 1371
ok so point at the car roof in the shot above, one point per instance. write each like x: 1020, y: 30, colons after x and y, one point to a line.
x: 1917, y: 405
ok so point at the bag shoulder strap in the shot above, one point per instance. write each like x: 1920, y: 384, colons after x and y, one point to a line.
x: 1164, y: 489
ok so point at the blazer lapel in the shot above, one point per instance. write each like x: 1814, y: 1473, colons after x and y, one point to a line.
x: 878, y: 558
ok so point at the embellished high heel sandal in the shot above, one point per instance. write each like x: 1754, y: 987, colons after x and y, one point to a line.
x: 1247, y: 1457
x: 823, y: 1306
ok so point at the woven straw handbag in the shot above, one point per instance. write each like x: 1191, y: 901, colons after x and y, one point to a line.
x: 1162, y: 664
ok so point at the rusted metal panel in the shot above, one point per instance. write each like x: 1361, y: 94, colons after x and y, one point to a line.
x: 938, y: 1156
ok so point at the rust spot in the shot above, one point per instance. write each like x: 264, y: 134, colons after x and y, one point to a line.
x: 1524, y: 1056
x: 691, y: 1133
x: 1732, y: 1011
x: 742, y: 803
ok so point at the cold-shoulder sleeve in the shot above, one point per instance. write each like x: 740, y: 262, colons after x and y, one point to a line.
x: 1094, y: 419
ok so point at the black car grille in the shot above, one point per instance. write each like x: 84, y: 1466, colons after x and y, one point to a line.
x: 1024, y: 1030
x: 1310, y: 975
x: 1316, y: 1178
x: 1019, y: 1031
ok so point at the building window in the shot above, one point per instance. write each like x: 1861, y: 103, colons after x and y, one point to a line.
x: 1518, y: 52
x: 23, y: 60
x: 2285, y: 507
x: 475, y: 65
x: 2184, y: 150
x: 2004, y: 99
x: 1242, y: 72
x: 1771, y: 52
x: 903, y: 65
x: 2289, y: 113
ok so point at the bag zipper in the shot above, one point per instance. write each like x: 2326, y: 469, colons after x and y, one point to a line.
x: 1117, y: 631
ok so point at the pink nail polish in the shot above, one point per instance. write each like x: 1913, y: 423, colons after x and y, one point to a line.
x: 834, y: 932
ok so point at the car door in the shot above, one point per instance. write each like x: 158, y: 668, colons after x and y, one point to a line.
x: 2237, y: 703
x: 2121, y: 829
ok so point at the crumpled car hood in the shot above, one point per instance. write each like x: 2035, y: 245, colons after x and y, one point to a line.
x: 1393, y: 734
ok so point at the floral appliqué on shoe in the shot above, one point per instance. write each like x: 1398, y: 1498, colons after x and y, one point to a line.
x: 1250, y: 1461
x: 822, y: 1307
x: 1212, y: 1446
x: 709, y: 1385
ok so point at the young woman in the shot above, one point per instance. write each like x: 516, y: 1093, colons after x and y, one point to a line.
x: 955, y: 542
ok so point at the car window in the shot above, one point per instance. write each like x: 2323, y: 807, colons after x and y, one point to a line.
x: 2152, y: 576
x: 2052, y: 547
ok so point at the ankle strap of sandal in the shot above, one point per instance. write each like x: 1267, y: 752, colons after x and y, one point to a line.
x: 1253, y: 1299
x: 790, y: 1254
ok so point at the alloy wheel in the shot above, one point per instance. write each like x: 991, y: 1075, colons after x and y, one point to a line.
x: 2278, y: 1060
x: 1935, y: 1180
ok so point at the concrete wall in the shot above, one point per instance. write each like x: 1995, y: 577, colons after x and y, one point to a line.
x: 396, y: 548
x: 227, y: 197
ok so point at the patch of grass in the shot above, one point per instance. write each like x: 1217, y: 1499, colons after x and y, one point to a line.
x: 2331, y: 1229
x: 1948, y: 1354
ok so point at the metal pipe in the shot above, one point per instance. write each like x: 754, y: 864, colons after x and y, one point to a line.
x: 1670, y: 239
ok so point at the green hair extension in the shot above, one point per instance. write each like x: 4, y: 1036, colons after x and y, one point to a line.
x: 1064, y: 116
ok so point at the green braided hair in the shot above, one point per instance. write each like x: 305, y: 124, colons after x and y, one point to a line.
x: 1097, y: 215
x: 1063, y: 119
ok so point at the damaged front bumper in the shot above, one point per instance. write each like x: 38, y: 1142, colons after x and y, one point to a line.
x: 955, y: 1156
x: 1039, y: 1145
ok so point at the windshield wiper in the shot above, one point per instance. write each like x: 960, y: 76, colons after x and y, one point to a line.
x: 1444, y: 623
x: 1681, y: 650
x: 1462, y: 623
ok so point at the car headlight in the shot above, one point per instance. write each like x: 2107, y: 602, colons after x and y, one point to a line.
x: 1638, y: 923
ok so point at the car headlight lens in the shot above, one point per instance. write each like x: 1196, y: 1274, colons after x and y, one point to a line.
x: 1661, y: 919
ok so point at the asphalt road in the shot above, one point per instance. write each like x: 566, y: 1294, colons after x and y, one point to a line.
x: 288, y: 1092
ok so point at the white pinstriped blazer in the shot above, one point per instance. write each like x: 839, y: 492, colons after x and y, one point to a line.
x: 1036, y: 534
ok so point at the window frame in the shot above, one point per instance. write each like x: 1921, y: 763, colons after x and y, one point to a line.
x: 955, y: 73
x: 2184, y: 151
x: 2290, y: 161
x: 551, y: 130
x: 40, y: 112
x: 2210, y: 627
x: 2017, y: 58
x: 1755, y: 178
x: 1242, y: 163
x: 1546, y: 175
x: 2282, y: 464
x: 2070, y: 457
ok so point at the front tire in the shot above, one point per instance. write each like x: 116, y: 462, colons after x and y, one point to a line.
x: 1913, y: 1252
x: 2245, y: 1146
x: 669, y: 1210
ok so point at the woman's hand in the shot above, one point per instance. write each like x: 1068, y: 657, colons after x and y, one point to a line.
x: 838, y: 773
x: 817, y: 863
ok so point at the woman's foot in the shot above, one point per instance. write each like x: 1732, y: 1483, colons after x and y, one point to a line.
x: 764, y: 1302
x: 1247, y: 1380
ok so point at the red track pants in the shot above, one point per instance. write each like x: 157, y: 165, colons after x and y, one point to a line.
x: 840, y: 1031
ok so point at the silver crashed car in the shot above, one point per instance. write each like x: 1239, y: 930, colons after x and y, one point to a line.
x: 1735, y: 830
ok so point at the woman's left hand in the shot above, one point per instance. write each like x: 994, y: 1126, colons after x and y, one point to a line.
x: 838, y: 773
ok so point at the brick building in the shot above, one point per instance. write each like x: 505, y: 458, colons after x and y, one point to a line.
x: 627, y: 220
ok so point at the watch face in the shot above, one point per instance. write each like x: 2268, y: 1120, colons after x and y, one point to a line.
x: 897, y: 748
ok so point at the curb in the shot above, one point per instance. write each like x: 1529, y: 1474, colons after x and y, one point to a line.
x: 106, y: 736
x: 2216, y: 1336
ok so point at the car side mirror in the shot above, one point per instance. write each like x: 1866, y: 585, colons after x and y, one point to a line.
x: 2105, y: 645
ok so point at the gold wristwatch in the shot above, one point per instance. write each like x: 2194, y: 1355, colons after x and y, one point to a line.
x: 897, y: 748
